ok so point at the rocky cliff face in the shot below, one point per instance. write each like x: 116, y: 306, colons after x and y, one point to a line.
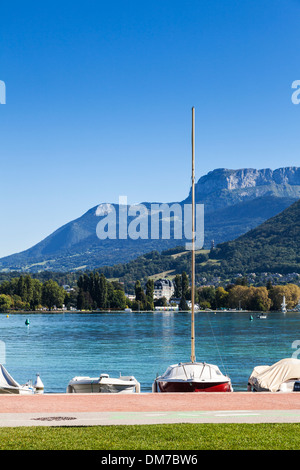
x: 224, y: 187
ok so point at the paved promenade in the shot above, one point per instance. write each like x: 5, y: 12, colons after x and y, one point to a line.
x: 148, y: 408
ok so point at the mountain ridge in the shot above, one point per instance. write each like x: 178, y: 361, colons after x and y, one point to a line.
x: 271, y: 250
x: 235, y: 202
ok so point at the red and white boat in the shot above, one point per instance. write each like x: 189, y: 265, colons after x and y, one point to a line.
x: 192, y: 376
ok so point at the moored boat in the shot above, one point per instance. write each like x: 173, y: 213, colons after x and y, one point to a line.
x: 104, y: 384
x: 9, y: 386
x: 283, y: 376
x: 192, y: 377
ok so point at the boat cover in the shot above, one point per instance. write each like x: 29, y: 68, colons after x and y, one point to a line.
x: 192, y: 370
x: 6, y: 380
x: 269, y: 378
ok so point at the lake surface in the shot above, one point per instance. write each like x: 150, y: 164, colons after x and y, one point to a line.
x: 61, y: 346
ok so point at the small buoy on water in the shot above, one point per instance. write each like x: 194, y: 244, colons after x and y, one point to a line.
x: 251, y: 318
x: 38, y: 384
x: 27, y: 321
x: 7, y: 316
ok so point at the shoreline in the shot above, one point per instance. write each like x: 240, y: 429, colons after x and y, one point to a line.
x: 32, y: 312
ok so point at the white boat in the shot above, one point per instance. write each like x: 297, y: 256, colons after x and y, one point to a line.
x: 8, y: 385
x: 192, y: 376
x: 283, y: 305
x: 104, y: 384
x: 283, y: 376
x: 38, y: 384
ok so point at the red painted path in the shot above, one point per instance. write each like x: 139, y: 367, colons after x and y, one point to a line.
x: 151, y: 402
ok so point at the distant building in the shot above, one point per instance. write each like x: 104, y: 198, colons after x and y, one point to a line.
x: 67, y: 288
x: 163, y: 288
x: 130, y: 296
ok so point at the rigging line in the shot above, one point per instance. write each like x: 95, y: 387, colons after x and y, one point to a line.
x: 216, y: 343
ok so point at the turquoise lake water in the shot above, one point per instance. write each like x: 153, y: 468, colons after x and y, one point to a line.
x: 61, y: 346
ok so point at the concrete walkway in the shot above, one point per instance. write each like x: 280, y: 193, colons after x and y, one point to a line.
x: 148, y: 408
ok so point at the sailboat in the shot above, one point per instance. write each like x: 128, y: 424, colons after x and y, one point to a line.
x: 192, y: 376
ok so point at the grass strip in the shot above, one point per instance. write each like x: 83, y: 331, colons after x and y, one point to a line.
x: 154, y: 437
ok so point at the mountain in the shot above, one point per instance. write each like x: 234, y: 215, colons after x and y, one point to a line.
x: 235, y: 201
x: 273, y: 246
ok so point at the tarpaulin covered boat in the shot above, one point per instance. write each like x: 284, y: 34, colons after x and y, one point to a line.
x: 283, y: 376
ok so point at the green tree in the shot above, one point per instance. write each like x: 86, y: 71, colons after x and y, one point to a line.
x: 184, y: 291
x: 259, y: 299
x: 177, y: 287
x: 28, y: 285
x: 36, y: 295
x: 52, y: 294
x: 184, y: 284
x: 149, y: 295
x: 221, y: 297
x: 239, y: 296
x: 18, y: 303
x: 183, y: 304
x: 207, y: 294
x: 5, y: 302
x: 118, y: 300
x: 242, y: 281
x: 81, y: 300
x: 102, y: 292
x: 161, y: 302
x: 291, y: 293
x: 140, y: 295
x: 21, y: 290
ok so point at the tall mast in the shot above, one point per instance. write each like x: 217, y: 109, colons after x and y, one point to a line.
x: 193, y: 357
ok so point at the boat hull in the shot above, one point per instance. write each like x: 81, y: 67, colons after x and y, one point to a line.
x: 104, y: 384
x: 16, y: 391
x: 100, y: 388
x: 192, y: 386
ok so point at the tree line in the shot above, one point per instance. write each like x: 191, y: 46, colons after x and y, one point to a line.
x: 26, y: 293
x: 94, y: 292
x: 243, y: 296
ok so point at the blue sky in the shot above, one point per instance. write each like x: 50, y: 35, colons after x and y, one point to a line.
x: 99, y: 98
